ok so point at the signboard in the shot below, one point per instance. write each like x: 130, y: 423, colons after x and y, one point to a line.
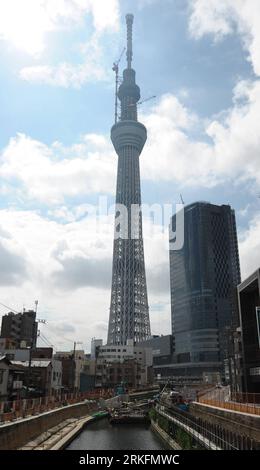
x: 258, y: 323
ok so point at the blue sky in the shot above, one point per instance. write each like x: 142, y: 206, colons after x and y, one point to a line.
x: 201, y: 60
x: 166, y: 59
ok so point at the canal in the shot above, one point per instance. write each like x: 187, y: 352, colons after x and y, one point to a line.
x: 105, y: 436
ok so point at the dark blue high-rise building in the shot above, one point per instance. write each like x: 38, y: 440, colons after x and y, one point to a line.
x: 204, y: 275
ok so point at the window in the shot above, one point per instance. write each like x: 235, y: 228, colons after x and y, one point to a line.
x: 1, y: 376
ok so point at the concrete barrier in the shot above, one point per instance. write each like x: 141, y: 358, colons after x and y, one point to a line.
x: 18, y: 433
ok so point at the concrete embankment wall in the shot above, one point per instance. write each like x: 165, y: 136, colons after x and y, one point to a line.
x: 16, y: 434
x: 164, y: 436
x: 248, y: 425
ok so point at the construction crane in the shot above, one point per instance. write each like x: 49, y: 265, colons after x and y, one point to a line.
x: 182, y: 201
x: 115, y: 69
x: 143, y: 101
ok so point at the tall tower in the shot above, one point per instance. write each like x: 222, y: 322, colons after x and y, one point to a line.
x: 129, y: 312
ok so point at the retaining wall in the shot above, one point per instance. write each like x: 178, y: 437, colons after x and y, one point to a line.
x: 16, y: 434
x: 248, y: 425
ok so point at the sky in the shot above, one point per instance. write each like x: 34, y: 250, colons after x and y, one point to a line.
x: 201, y: 59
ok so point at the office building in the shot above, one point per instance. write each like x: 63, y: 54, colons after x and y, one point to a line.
x: 204, y: 275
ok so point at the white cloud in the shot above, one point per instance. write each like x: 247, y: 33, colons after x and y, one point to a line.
x: 25, y: 23
x: 70, y: 269
x: 224, y: 17
x: 13, y: 265
x: 50, y: 174
x: 62, y: 263
x: 169, y: 153
x: 70, y: 75
x: 232, y: 152
x: 229, y: 151
x: 249, y: 247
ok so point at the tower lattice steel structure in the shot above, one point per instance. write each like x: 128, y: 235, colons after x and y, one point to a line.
x: 129, y: 312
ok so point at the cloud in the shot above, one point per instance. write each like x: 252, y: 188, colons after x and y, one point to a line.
x: 70, y: 267
x: 79, y: 271
x: 170, y: 154
x: 13, y: 270
x: 221, y: 18
x: 25, y: 23
x: 249, y: 247
x: 181, y: 147
x: 226, y: 147
x: 185, y: 148
x: 68, y: 75
x: 50, y: 174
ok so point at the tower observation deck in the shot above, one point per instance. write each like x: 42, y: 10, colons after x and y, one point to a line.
x: 129, y: 312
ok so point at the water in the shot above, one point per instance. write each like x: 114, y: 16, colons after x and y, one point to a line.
x: 101, y: 435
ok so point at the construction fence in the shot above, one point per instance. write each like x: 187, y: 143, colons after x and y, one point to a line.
x: 17, y: 409
x: 241, y: 402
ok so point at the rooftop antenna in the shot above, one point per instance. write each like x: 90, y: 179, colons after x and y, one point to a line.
x: 115, y: 69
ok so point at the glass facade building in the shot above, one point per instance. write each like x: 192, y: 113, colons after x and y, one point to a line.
x: 204, y: 275
x: 249, y: 312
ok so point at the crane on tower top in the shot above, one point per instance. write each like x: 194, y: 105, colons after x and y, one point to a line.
x: 115, y: 69
x: 143, y: 101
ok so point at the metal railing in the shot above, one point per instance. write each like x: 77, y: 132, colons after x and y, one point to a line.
x: 211, y: 436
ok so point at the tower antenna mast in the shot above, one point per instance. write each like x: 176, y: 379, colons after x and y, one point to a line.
x: 115, y: 69
x: 129, y: 53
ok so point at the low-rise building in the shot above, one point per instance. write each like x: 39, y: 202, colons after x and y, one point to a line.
x: 56, y: 378
x: 7, y: 343
x: 4, y: 374
x: 162, y: 353
x: 12, y: 379
x: 16, y: 354
x: 78, y: 356
x: 87, y: 375
x: 95, y: 345
x: 68, y: 372
x: 42, y: 353
x: 124, y: 363
x: 249, y: 313
x: 38, y: 376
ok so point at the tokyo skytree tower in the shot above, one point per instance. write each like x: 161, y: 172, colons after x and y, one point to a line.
x: 129, y: 312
